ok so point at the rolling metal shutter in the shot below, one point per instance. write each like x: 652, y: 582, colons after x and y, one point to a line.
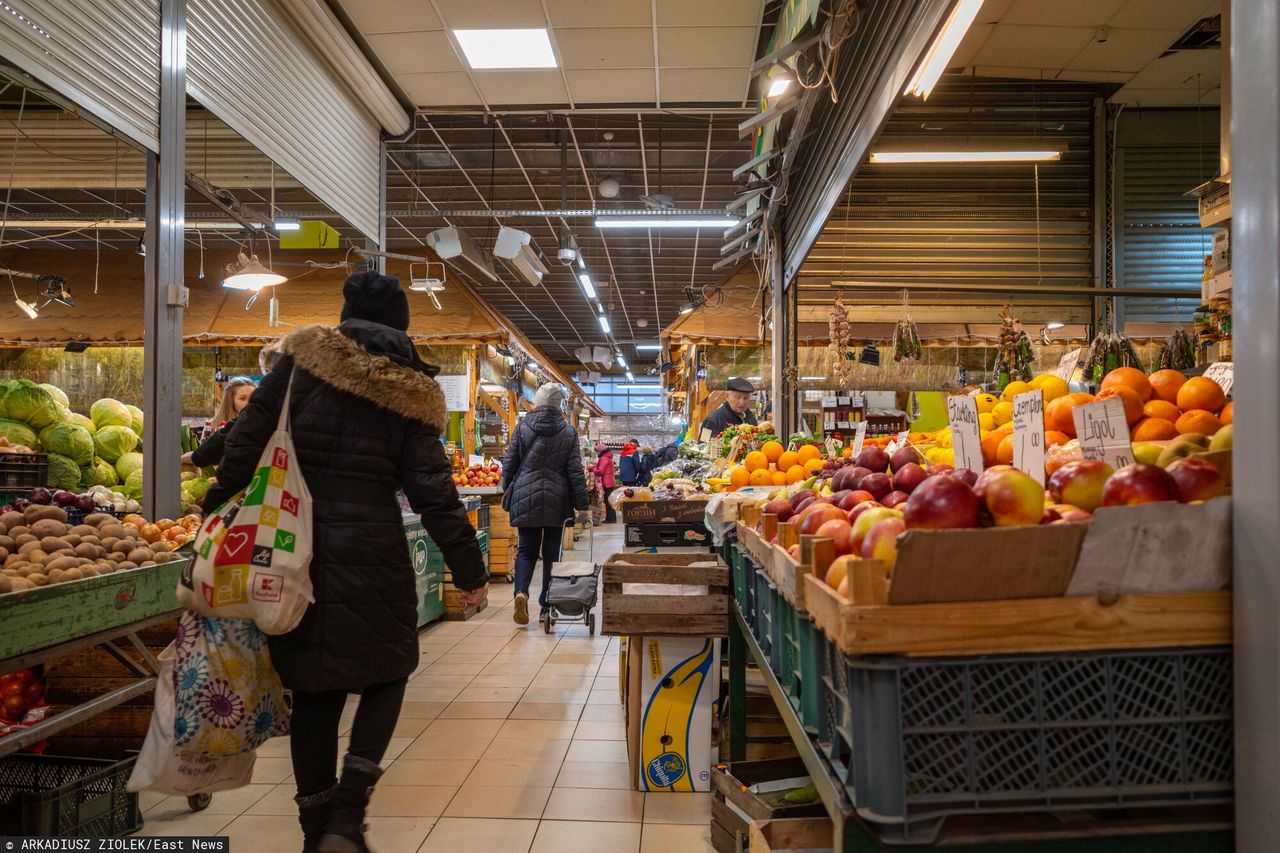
x: 248, y: 65
x: 1160, y: 241
x: 103, y: 55
x: 976, y: 222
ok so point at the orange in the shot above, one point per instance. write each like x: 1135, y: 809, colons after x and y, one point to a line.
x: 813, y: 466
x: 1198, y: 420
x: 1161, y: 408
x: 739, y: 476
x: 990, y: 446
x: 761, y: 477
x: 1131, y: 377
x: 755, y: 461
x: 779, y: 478
x: 1054, y: 437
x: 1132, y: 404
x: 795, y: 474
x: 807, y: 452
x: 1154, y: 429
x: 1052, y: 387
x: 787, y: 459
x: 1057, y: 415
x: 1004, y: 453
x: 1226, y: 415
x: 1165, y: 385
x: 1201, y: 393
x: 773, y: 450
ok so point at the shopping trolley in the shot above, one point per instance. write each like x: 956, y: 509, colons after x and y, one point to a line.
x: 574, y: 589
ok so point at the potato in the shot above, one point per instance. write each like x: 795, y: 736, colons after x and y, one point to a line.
x: 140, y: 555
x: 4, y: 552
x: 111, y: 530
x: 127, y: 565
x: 148, y: 564
x: 105, y: 566
x: 27, y: 547
x: 53, y: 543
x: 62, y: 563
x: 11, y: 520
x: 90, y: 540
x: 38, y: 578
x: 48, y: 527
x: 56, y: 575
x: 84, y: 549
x: 123, y: 546
x: 71, y: 539
x: 21, y: 584
x: 37, y: 557
x: 90, y: 571
x: 7, y: 542
x: 25, y: 538
x: 116, y: 557
x: 6, y: 585
x: 19, y: 531
x: 75, y: 573
x: 14, y: 559
x: 97, y: 519
x: 84, y: 530
x: 40, y: 512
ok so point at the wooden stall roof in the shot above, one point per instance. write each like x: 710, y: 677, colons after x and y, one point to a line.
x: 735, y: 320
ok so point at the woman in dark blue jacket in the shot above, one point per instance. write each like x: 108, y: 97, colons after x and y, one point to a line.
x: 543, y: 484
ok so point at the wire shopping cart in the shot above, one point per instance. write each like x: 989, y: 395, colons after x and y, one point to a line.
x: 574, y: 590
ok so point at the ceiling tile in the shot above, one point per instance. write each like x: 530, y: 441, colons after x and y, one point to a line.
x: 702, y: 84
x: 1094, y: 76
x: 605, y: 47
x: 391, y: 16
x: 1124, y: 50
x: 492, y: 14
x: 1013, y: 72
x: 527, y: 86
x: 1033, y: 47
x: 700, y: 47
x: 1055, y: 13
x: 1180, y: 70
x: 712, y: 13
x: 971, y: 44
x: 599, y: 13
x: 1160, y: 14
x: 448, y: 89
x: 1164, y: 97
x: 634, y: 86
x: 415, y: 52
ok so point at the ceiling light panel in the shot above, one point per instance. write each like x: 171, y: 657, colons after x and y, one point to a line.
x: 514, y: 48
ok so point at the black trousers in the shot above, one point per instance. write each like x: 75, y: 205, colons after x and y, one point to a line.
x: 610, y: 514
x: 537, y: 543
x: 313, y: 738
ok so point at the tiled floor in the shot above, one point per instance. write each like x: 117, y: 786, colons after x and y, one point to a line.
x: 510, y: 741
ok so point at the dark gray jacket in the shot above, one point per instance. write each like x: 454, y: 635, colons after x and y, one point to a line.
x: 542, y: 471
x: 723, y: 417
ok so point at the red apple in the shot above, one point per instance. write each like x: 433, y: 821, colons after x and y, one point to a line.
x: 839, y: 496
x: 794, y: 552
x: 854, y: 498
x: 940, y: 503
x: 840, y: 532
x: 857, y: 472
x: 904, y: 456
x: 872, y: 458
x: 881, y: 541
x: 1068, y: 514
x: 863, y: 523
x: 1080, y: 483
x: 1197, y: 479
x: 895, y: 498
x: 878, y: 485
x: 907, y: 477
x: 818, y: 515
x: 965, y: 476
x: 1013, y: 498
x: 861, y: 508
x: 782, y: 509
x: 801, y: 495
x: 941, y: 468
x: 804, y: 504
x: 1139, y: 484
x: 844, y: 479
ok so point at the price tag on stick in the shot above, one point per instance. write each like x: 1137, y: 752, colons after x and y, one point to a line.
x: 1222, y: 372
x: 1067, y: 365
x: 966, y: 441
x: 1028, y: 434
x: 859, y: 436
x: 1103, y: 431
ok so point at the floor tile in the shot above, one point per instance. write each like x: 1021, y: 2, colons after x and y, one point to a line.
x: 597, y: 750
x: 504, y: 669
x: 231, y: 803
x: 393, y: 834
x: 422, y: 710
x: 271, y: 770
x: 514, y: 771
x: 583, y: 660
x: 600, y: 730
x: 276, y: 747
x: 431, y: 694
x: 594, y: 774
x: 528, y: 710
x: 188, y: 823
x: 664, y: 838
x: 147, y: 800
x: 433, y: 771
x: 491, y: 694
x: 528, y: 749
x: 559, y: 836
x: 263, y: 833
x: 602, y: 713
x: 464, y: 738
x: 277, y: 801
x: 449, y: 666
x: 669, y: 807
x: 477, y: 711
x: 471, y: 835
x: 555, y: 694
x: 410, y: 800
x: 563, y: 682
x: 604, y: 696
x: 542, y: 729
x: 521, y: 681
x: 498, y: 801
x: 606, y: 804
x: 410, y: 727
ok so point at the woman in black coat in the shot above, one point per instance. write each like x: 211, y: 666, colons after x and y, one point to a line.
x: 544, y: 483
x: 366, y: 417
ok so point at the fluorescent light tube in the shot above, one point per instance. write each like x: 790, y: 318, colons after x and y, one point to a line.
x: 27, y: 308
x: 778, y: 85
x: 1053, y: 324
x: 604, y: 324
x: 587, y: 287
x: 506, y: 48
x: 630, y: 378
x: 648, y: 347
x: 622, y: 361
x: 638, y: 387
x: 813, y: 378
x: 943, y: 48
x: 658, y: 221
x: 1028, y: 155
x: 287, y: 225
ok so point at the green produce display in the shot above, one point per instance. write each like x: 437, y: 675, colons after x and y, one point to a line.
x: 127, y: 464
x: 68, y: 439
x: 64, y: 473
x: 26, y: 401
x: 135, y: 415
x: 18, y: 433
x: 112, y: 442
x: 108, y: 412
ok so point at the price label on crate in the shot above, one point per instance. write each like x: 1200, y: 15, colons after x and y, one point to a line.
x: 1028, y: 434
x: 1222, y: 372
x: 962, y: 412
x: 1067, y: 365
x: 859, y: 436
x: 899, y: 441
x: 1103, y: 431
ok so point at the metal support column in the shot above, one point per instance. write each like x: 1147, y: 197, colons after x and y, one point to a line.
x: 782, y: 404
x: 1100, y: 178
x: 1253, y: 32
x: 381, y: 260
x: 165, y: 294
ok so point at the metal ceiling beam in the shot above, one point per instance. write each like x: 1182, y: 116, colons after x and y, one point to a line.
x: 812, y: 282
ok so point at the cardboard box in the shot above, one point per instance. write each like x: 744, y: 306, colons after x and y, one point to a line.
x: 666, y: 535
x: 673, y: 693
x: 664, y: 512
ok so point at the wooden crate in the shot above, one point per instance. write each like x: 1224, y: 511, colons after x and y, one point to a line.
x: 792, y: 834
x: 624, y: 614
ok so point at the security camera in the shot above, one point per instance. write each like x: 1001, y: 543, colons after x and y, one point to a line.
x: 567, y: 256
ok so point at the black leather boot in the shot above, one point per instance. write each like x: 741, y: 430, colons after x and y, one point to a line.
x: 344, y: 832
x: 313, y: 814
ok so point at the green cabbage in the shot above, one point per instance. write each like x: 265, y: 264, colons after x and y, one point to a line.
x: 132, y: 487
x: 104, y: 473
x: 70, y: 440
x: 64, y: 473
x: 107, y: 412
x: 28, y: 402
x: 83, y: 421
x: 136, y: 415
x: 18, y: 433
x: 194, y: 492
x: 56, y: 393
x: 128, y: 463
x: 112, y: 442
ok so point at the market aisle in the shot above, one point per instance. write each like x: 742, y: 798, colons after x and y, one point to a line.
x: 511, y: 741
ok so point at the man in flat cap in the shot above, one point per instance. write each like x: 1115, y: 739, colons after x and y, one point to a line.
x: 734, y: 411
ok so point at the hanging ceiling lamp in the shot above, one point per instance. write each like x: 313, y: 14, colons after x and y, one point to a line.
x: 248, y: 273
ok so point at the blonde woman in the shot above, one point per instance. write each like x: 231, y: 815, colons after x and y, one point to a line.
x: 235, y: 396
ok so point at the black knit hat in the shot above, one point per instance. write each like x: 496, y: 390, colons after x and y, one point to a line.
x: 377, y: 298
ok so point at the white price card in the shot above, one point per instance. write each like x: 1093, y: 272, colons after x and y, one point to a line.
x: 962, y: 412
x: 456, y: 390
x: 899, y: 442
x: 1028, y: 434
x: 1222, y: 372
x: 1103, y: 431
x: 859, y: 436
x: 1067, y: 365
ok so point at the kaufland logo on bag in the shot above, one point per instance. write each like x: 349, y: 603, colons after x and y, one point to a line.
x: 267, y: 587
x: 281, y: 459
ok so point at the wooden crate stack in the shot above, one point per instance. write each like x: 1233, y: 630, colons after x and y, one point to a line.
x: 454, y: 611
x: 502, y: 542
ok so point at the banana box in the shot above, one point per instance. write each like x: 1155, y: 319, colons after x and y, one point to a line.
x: 672, y: 691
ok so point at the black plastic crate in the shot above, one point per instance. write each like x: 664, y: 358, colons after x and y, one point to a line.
x: 23, y: 470
x: 482, y: 516
x: 64, y: 797
x: 765, y: 629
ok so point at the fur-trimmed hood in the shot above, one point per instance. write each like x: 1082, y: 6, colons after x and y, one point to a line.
x: 338, y: 360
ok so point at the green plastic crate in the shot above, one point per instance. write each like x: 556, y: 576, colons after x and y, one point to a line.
x: 801, y: 670
x: 55, y: 796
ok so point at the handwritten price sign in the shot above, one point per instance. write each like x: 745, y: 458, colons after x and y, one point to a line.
x: 899, y: 442
x: 1028, y: 434
x: 1103, y: 431
x: 1222, y: 372
x: 859, y: 436
x: 962, y: 412
x: 1067, y: 365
